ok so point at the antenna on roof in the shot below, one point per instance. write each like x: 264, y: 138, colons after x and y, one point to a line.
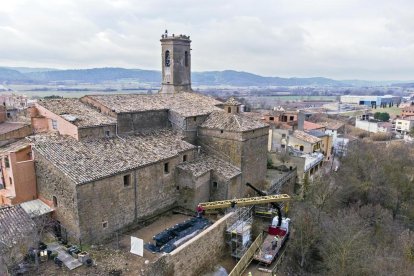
x: 166, y: 32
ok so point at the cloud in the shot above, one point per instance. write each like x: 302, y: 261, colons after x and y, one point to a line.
x: 339, y: 39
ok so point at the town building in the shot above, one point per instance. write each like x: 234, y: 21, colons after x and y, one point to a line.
x: 404, y: 125
x: 368, y: 124
x: 371, y: 101
x: 18, y: 180
x: 408, y: 111
x: 107, y: 162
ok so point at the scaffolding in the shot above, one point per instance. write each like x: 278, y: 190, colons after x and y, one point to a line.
x: 239, y: 232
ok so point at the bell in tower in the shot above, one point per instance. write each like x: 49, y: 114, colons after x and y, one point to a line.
x: 176, y: 63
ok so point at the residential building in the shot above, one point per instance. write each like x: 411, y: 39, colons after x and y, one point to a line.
x: 404, y: 125
x: 305, y: 142
x: 326, y: 142
x: 18, y: 180
x: 408, y: 111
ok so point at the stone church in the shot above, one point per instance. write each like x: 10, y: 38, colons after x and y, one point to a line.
x: 105, y: 162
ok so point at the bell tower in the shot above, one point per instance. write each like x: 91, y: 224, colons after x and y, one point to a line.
x: 176, y: 63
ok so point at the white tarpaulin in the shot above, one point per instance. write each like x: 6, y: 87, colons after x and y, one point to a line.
x: 137, y: 246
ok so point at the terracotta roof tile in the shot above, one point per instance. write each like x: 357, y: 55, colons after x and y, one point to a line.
x: 301, y: 135
x: 76, y: 112
x: 185, y: 103
x: 205, y: 163
x: 15, y: 224
x: 309, y: 126
x: 93, y: 159
x: 231, y: 122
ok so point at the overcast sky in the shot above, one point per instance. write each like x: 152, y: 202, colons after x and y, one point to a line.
x: 341, y: 39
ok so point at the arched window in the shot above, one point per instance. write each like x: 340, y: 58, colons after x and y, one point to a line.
x: 167, y: 59
x: 301, y: 148
x: 55, y: 202
x: 186, y: 59
x: 229, y: 109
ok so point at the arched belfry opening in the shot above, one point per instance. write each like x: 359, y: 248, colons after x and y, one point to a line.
x: 167, y: 62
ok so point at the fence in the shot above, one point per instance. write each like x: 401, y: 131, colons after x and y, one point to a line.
x: 247, y: 257
x: 275, y: 187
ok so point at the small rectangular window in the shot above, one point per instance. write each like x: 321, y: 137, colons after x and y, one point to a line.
x: 184, y: 157
x: 271, y: 118
x: 54, y: 124
x: 215, y: 185
x: 291, y: 118
x: 166, y: 168
x: 10, y: 180
x: 127, y: 180
x: 195, y: 119
x: 283, y: 135
x: 6, y: 162
x: 107, y: 133
x: 104, y: 224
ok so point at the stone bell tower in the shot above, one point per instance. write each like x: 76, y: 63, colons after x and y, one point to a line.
x: 176, y: 63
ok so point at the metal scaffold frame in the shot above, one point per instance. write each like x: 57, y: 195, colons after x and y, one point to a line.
x: 239, y: 231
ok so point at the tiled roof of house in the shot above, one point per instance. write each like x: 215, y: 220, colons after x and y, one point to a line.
x: 231, y: 122
x: 301, y: 135
x: 93, y: 159
x: 309, y: 126
x: 76, y: 112
x: 232, y: 101
x: 15, y: 225
x: 185, y: 103
x: 205, y: 163
x: 15, y: 146
x: 7, y: 127
x: 332, y: 125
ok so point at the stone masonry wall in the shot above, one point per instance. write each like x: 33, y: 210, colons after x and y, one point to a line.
x: 50, y: 182
x: 138, y: 121
x: 202, y: 252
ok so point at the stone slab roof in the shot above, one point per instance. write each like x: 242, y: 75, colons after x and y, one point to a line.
x: 93, y: 159
x: 301, y: 135
x: 231, y: 122
x: 10, y: 126
x: 187, y: 104
x: 232, y: 101
x: 15, y: 146
x: 76, y: 112
x: 205, y: 163
x: 15, y: 224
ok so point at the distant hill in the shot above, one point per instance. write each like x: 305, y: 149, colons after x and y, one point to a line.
x: 12, y: 75
x: 97, y: 75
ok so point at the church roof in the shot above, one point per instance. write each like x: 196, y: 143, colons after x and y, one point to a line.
x: 232, y: 102
x: 76, y: 112
x: 205, y: 163
x: 231, y: 122
x: 92, y: 159
x: 187, y: 104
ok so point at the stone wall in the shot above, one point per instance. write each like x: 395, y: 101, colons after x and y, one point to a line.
x: 200, y: 254
x: 50, y: 182
x: 107, y: 205
x: 98, y: 131
x: 24, y: 131
x: 138, y: 121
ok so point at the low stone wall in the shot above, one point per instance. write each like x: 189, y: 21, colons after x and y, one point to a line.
x: 197, y: 255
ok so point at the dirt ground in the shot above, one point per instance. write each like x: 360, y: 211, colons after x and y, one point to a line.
x: 112, y: 261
